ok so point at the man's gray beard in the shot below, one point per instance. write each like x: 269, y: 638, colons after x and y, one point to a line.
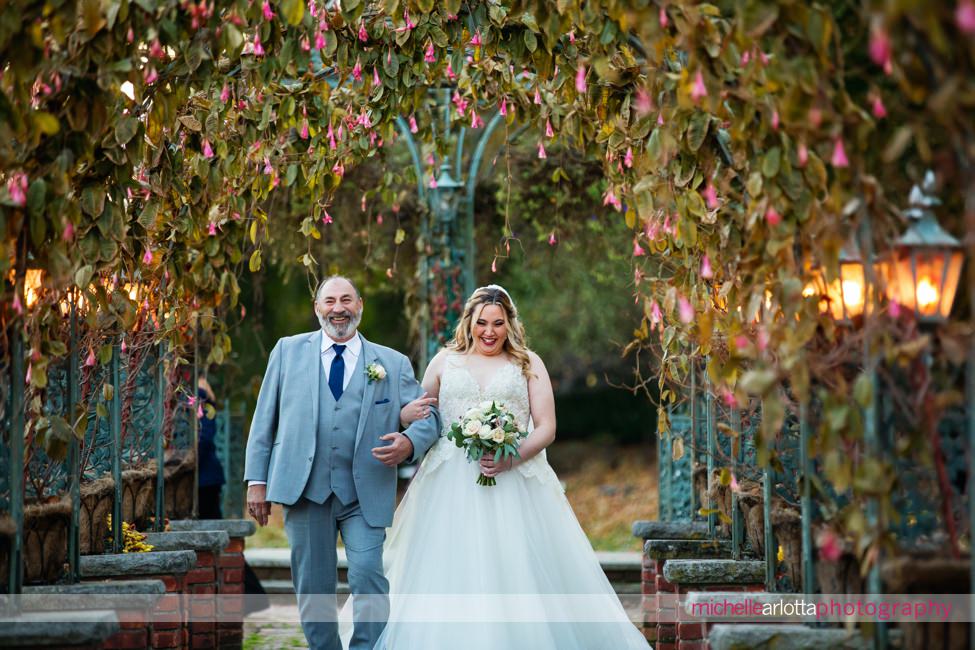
x: 335, y: 332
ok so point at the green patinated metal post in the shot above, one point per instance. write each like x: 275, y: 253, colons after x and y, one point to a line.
x: 712, y: 446
x: 196, y: 422
x: 770, y: 549
x: 808, y: 580
x: 116, y: 428
x: 74, y: 471
x: 160, y: 440
x: 693, y: 437
x: 15, y: 575
x: 736, y: 458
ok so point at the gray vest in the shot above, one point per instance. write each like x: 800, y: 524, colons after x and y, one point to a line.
x: 331, y: 471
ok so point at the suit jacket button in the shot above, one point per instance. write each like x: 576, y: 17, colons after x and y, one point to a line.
x: 310, y: 458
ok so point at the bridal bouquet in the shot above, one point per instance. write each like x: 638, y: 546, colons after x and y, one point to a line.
x: 487, y: 429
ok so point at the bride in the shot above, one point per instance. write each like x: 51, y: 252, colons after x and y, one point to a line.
x: 502, y: 567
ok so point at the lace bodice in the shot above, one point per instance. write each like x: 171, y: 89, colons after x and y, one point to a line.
x: 459, y: 391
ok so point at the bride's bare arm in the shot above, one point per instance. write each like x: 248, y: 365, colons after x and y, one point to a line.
x: 541, y: 402
x: 420, y: 407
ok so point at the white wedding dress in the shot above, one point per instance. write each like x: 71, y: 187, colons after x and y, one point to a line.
x: 506, y: 567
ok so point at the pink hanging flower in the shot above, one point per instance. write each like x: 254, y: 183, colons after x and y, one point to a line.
x: 775, y: 120
x: 207, y: 149
x: 413, y: 127
x: 476, y: 39
x: 305, y: 44
x: 130, y: 36
x: 610, y: 198
x: 644, y: 104
x: 375, y: 77
x: 660, y: 118
x: 17, y: 305
x: 319, y: 41
x: 225, y: 93
x: 706, y: 271
x: 628, y: 158
x: 363, y: 34
x: 326, y: 217
x: 124, y: 347
x: 581, y: 79
x: 637, y: 249
x: 156, y: 50
x: 762, y: 339
x: 212, y: 229
x: 741, y: 342
x: 312, y: 9
x: 460, y: 103
x: 476, y: 121
x: 878, y: 108
x: 802, y: 154
x: 746, y: 56
x: 338, y: 169
x: 429, y: 56
x: 503, y: 109
x: 147, y: 256
x: 68, y: 233
x: 549, y: 133
x: 895, y: 309
x: 772, y: 218
x: 266, y: 9
x: 433, y: 183
x: 90, y: 359
x: 551, y: 239
x: 304, y: 129
x: 17, y: 189
x: 830, y: 546
x: 572, y: 36
x: 730, y: 401
x: 541, y: 151
x: 685, y: 310
x: 699, y: 90
x: 357, y: 70
x: 494, y: 265
x: 965, y: 16
x: 663, y: 17
x: 258, y: 47
x: 880, y: 50
x: 331, y: 137
x: 451, y: 75
x: 150, y: 75
x: 839, y: 158
x: 656, y: 317
x: 711, y: 196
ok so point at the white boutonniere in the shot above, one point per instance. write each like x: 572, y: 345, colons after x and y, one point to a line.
x: 375, y: 372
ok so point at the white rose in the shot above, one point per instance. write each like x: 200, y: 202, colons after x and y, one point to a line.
x: 473, y: 413
x: 497, y: 435
x: 484, y: 432
x: 485, y: 406
x: 380, y: 372
x: 472, y: 428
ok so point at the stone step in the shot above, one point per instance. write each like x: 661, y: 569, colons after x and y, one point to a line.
x: 742, y: 636
x: 687, y: 549
x: 233, y: 527
x: 101, y: 594
x: 645, y: 529
x: 714, y: 572
x: 288, y: 587
x: 136, y: 564
x: 193, y: 540
x: 58, y: 629
x: 273, y: 566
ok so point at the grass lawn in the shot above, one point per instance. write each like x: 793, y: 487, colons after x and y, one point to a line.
x: 609, y: 487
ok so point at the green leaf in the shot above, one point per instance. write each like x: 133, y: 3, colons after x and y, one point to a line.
x: 93, y: 201
x: 531, y: 41
x: 105, y: 354
x: 126, y: 129
x: 697, y: 130
x: 47, y: 123
x: 754, y: 185
x: 36, y: 195
x: 82, y: 277
x: 771, y: 162
x: 108, y: 392
x: 293, y: 11
x: 400, y: 236
x: 254, y: 264
x: 863, y: 391
x: 101, y: 411
x: 147, y: 218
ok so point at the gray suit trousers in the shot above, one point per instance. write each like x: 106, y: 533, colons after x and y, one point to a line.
x: 312, y: 531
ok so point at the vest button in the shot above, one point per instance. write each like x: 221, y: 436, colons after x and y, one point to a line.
x: 310, y: 458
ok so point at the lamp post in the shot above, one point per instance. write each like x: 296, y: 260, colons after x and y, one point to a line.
x: 923, y: 270
x: 845, y: 297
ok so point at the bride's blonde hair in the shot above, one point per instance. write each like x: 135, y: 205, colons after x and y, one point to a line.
x: 514, y: 343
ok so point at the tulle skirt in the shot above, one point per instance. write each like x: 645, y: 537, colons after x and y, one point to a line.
x: 506, y: 567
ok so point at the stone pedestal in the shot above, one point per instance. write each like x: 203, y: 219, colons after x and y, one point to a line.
x: 229, y: 575
x: 200, y: 583
x: 30, y: 630
x: 171, y: 567
x: 682, y: 577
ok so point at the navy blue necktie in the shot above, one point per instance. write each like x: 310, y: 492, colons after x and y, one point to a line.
x: 336, y: 375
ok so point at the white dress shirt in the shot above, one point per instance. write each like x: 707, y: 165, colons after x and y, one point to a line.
x: 353, y: 348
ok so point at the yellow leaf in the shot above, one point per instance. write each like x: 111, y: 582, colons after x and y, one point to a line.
x: 47, y: 123
x: 400, y: 236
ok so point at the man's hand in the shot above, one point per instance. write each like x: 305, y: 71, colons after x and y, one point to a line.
x: 395, y: 453
x: 257, y: 506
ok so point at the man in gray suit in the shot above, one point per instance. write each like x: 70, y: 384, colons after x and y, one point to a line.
x: 325, y: 443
